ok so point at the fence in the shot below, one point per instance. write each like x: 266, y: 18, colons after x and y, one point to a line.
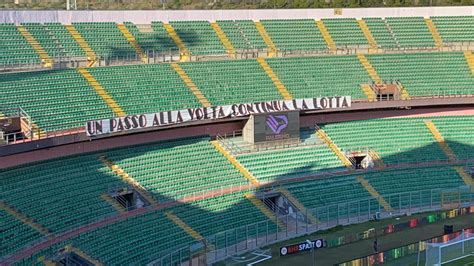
x: 249, y: 237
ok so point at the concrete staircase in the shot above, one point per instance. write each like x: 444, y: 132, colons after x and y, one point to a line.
x: 368, y: 35
x: 184, y: 52
x: 43, y: 55
x: 374, y: 193
x: 266, y: 38
x: 378, y: 162
x: 225, y: 41
x: 434, y: 32
x: 465, y: 176
x: 190, y: 84
x: 326, y: 36
x: 326, y: 139
x: 371, y: 96
x: 264, y: 209
x: 133, y: 42
x: 237, y: 165
x: 129, y: 179
x: 91, y: 56
x: 102, y: 92
x: 298, y: 205
x: 470, y: 60
x: 369, y: 68
x: 439, y: 138
x: 25, y: 219
x: 278, y: 84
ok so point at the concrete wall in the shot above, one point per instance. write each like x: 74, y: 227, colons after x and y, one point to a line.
x: 146, y: 16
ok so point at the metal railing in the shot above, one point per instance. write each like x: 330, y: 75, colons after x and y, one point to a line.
x: 249, y: 237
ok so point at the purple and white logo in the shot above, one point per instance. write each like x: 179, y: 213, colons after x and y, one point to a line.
x: 277, y: 123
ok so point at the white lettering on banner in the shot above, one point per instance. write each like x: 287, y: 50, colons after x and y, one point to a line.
x: 133, y: 122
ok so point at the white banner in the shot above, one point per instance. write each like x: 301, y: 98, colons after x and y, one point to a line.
x: 134, y: 122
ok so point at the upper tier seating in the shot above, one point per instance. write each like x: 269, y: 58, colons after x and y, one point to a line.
x: 56, y: 100
x: 425, y: 74
x: 295, y: 34
x: 229, y: 82
x: 242, y: 34
x: 321, y: 76
x: 14, y: 49
x: 46, y: 39
x: 105, y: 39
x: 141, y: 89
x: 396, y: 140
x: 64, y: 40
x: 345, y: 32
x: 155, y: 39
x: 381, y: 32
x: 411, y: 31
x: 455, y: 29
x: 199, y: 37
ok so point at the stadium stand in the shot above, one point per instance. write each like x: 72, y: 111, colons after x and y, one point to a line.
x: 155, y: 87
x: 381, y: 33
x: 337, y: 75
x: 42, y: 34
x: 294, y: 162
x: 56, y: 100
x: 152, y: 37
x: 14, y: 49
x: 101, y: 35
x: 198, y: 37
x: 345, y: 32
x: 168, y: 177
x: 455, y: 29
x: 410, y: 31
x: 60, y: 201
x: 425, y: 74
x: 456, y: 132
x: 286, y: 38
x: 46, y: 199
x: 413, y: 143
x: 242, y: 34
x: 63, y: 40
x: 229, y: 82
x: 15, y: 234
